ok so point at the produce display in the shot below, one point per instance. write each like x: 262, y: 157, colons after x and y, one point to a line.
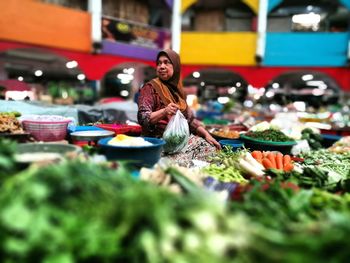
x: 272, y: 135
x: 242, y: 205
x: 314, y: 139
x: 9, y: 123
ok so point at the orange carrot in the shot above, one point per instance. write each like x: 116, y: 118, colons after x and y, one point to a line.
x: 288, y: 167
x: 279, y: 161
x: 271, y: 156
x: 267, y: 164
x: 286, y: 159
x: 257, y: 155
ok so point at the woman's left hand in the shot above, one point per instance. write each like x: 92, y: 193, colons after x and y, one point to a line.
x: 212, y: 141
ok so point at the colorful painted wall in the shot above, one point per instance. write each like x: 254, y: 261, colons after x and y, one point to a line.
x: 33, y: 22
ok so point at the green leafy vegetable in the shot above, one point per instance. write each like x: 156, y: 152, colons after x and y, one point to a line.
x: 269, y: 135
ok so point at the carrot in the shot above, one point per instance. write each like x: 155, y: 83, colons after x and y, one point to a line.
x: 279, y: 161
x: 271, y: 156
x: 257, y: 155
x: 288, y: 167
x: 286, y: 159
x: 267, y: 164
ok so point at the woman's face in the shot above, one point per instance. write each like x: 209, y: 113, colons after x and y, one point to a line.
x: 165, y: 69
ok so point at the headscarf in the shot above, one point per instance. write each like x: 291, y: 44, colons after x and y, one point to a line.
x: 171, y: 90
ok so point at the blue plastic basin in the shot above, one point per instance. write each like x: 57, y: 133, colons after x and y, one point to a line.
x: 233, y: 143
x: 140, y: 156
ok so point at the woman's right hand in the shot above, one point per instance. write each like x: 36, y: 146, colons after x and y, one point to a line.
x: 171, y: 109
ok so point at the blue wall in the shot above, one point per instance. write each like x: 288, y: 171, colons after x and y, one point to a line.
x: 273, y: 3
x: 306, y: 49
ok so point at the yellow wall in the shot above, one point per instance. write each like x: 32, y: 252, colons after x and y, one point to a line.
x: 218, y: 48
x: 253, y: 4
x: 45, y: 24
x: 186, y: 4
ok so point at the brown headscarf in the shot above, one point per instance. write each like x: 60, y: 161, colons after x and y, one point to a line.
x: 171, y: 90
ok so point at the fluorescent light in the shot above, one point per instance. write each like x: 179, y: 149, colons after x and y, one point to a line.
x: 315, y: 82
x: 275, y: 85
x: 125, y: 77
x: 131, y: 71
x: 196, y: 74
x: 125, y: 81
x: 38, y: 73
x: 124, y: 93
x: 307, y: 77
x: 71, y: 64
x: 81, y: 77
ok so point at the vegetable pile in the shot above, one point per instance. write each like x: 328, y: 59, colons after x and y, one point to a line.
x: 274, y: 160
x: 84, y: 212
x: 273, y: 135
x: 314, y: 139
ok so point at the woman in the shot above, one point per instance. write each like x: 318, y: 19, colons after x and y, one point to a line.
x: 158, y: 101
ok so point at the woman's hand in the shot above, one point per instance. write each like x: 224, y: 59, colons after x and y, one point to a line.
x: 201, y: 131
x: 170, y: 109
x: 212, y: 141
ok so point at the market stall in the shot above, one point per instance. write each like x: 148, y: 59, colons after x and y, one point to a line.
x: 281, y: 195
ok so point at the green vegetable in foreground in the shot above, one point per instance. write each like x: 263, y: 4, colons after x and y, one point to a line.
x: 83, y: 212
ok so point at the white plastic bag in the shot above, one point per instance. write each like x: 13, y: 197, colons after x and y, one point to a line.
x: 176, y: 134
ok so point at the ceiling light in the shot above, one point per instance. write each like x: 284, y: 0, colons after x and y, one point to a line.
x: 131, y: 71
x: 307, y: 77
x: 125, y: 81
x: 38, y: 73
x: 124, y: 93
x: 123, y: 76
x: 71, y: 64
x: 196, y: 74
x: 275, y: 85
x: 81, y: 77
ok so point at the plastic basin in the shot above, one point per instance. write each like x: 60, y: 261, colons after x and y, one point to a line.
x: 139, y: 156
x: 234, y: 144
x: 260, y: 145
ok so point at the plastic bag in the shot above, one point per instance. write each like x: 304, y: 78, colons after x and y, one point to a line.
x: 176, y: 134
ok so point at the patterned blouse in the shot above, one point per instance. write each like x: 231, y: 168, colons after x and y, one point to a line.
x: 148, y: 102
